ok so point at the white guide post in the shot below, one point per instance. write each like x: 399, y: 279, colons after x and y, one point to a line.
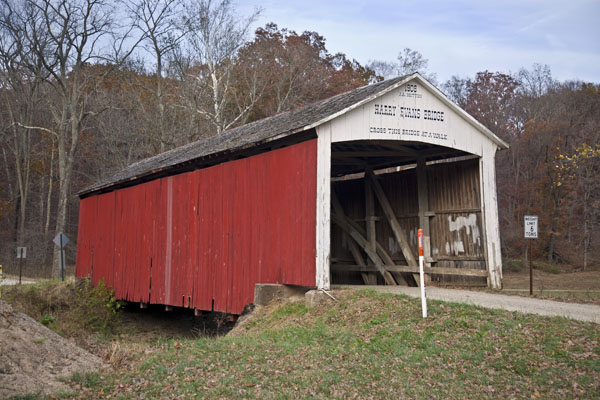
x: 489, y: 203
x: 422, y: 274
x: 323, y: 239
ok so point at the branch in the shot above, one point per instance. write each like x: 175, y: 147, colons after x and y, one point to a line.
x: 50, y: 131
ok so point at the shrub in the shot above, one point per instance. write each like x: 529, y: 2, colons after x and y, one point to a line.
x: 513, y: 265
x: 97, y: 307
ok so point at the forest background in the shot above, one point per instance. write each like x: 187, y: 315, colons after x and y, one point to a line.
x: 88, y: 87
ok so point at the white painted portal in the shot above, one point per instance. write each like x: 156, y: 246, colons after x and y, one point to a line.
x: 412, y: 110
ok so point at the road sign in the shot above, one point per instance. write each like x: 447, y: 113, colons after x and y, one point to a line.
x: 21, y: 252
x: 531, y: 227
x: 57, y: 240
x: 61, y: 241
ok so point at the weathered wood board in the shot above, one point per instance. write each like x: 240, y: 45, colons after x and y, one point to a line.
x: 455, y: 221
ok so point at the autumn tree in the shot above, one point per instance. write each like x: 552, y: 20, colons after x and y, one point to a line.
x: 285, y: 70
x: 549, y: 166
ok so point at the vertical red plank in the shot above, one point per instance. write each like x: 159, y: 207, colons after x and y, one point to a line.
x: 144, y: 263
x: 190, y: 211
x: 222, y: 284
x: 126, y: 218
x: 137, y: 273
x: 247, y: 280
x: 94, y: 236
x: 309, y: 187
x: 87, y: 210
x: 109, y: 233
x: 119, y: 246
x: 176, y: 238
x: 159, y: 206
x: 108, y: 236
x: 180, y: 240
x: 81, y: 262
x: 127, y: 245
x: 203, y: 298
x: 136, y: 238
x: 98, y: 268
x: 154, y: 220
x: 193, y: 238
x: 237, y: 234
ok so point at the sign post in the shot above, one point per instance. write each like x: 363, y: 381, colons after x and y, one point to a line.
x: 21, y: 254
x: 531, y: 232
x: 422, y: 274
x: 61, y: 241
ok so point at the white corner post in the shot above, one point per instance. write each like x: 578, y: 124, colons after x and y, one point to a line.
x: 323, y: 237
x: 489, y: 205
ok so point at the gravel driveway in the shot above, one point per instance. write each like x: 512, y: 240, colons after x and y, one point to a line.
x: 580, y: 312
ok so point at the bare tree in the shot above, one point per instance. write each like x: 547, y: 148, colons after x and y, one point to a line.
x: 215, y: 34
x: 158, y: 21
x: 456, y: 89
x: 20, y: 98
x: 408, y: 62
x: 65, y: 38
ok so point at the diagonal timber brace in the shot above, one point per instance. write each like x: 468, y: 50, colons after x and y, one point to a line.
x: 380, y: 250
x: 343, y: 223
x: 391, y: 218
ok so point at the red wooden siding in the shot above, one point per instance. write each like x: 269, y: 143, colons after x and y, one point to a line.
x: 204, y: 238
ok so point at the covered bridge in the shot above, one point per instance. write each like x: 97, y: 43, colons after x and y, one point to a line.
x: 333, y: 192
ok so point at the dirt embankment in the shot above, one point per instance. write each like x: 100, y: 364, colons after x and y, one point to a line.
x: 33, y: 358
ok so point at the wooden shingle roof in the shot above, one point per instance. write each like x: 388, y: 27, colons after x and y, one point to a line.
x: 243, y: 137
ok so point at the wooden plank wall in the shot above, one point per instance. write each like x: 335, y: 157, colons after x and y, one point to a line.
x: 457, y: 239
x: 202, y: 239
x: 456, y: 227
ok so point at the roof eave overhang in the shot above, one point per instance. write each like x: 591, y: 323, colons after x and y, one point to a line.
x: 154, y: 172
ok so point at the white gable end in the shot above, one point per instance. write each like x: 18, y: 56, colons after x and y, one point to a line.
x: 414, y: 112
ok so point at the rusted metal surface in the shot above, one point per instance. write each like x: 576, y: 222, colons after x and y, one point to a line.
x: 202, y: 239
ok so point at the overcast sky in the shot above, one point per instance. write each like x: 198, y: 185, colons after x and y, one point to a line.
x: 459, y: 37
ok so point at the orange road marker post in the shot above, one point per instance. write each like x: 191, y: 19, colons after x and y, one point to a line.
x: 422, y: 274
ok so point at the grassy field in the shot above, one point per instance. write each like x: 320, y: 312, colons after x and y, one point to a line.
x: 366, y: 345
x: 560, y: 282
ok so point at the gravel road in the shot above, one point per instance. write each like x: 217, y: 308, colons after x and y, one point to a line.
x: 580, y: 312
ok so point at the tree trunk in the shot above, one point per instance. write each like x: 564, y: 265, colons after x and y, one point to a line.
x: 554, y: 226
x: 47, y: 239
x: 65, y: 171
x: 586, y: 233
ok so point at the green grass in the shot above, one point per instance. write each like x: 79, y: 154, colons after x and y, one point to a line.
x: 368, y: 345
x: 518, y: 265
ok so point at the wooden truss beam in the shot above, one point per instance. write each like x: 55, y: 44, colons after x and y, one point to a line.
x: 349, y: 228
x: 392, y: 220
x: 342, y: 222
x: 380, y: 251
x: 406, y: 268
x: 358, y: 258
x: 382, y: 153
